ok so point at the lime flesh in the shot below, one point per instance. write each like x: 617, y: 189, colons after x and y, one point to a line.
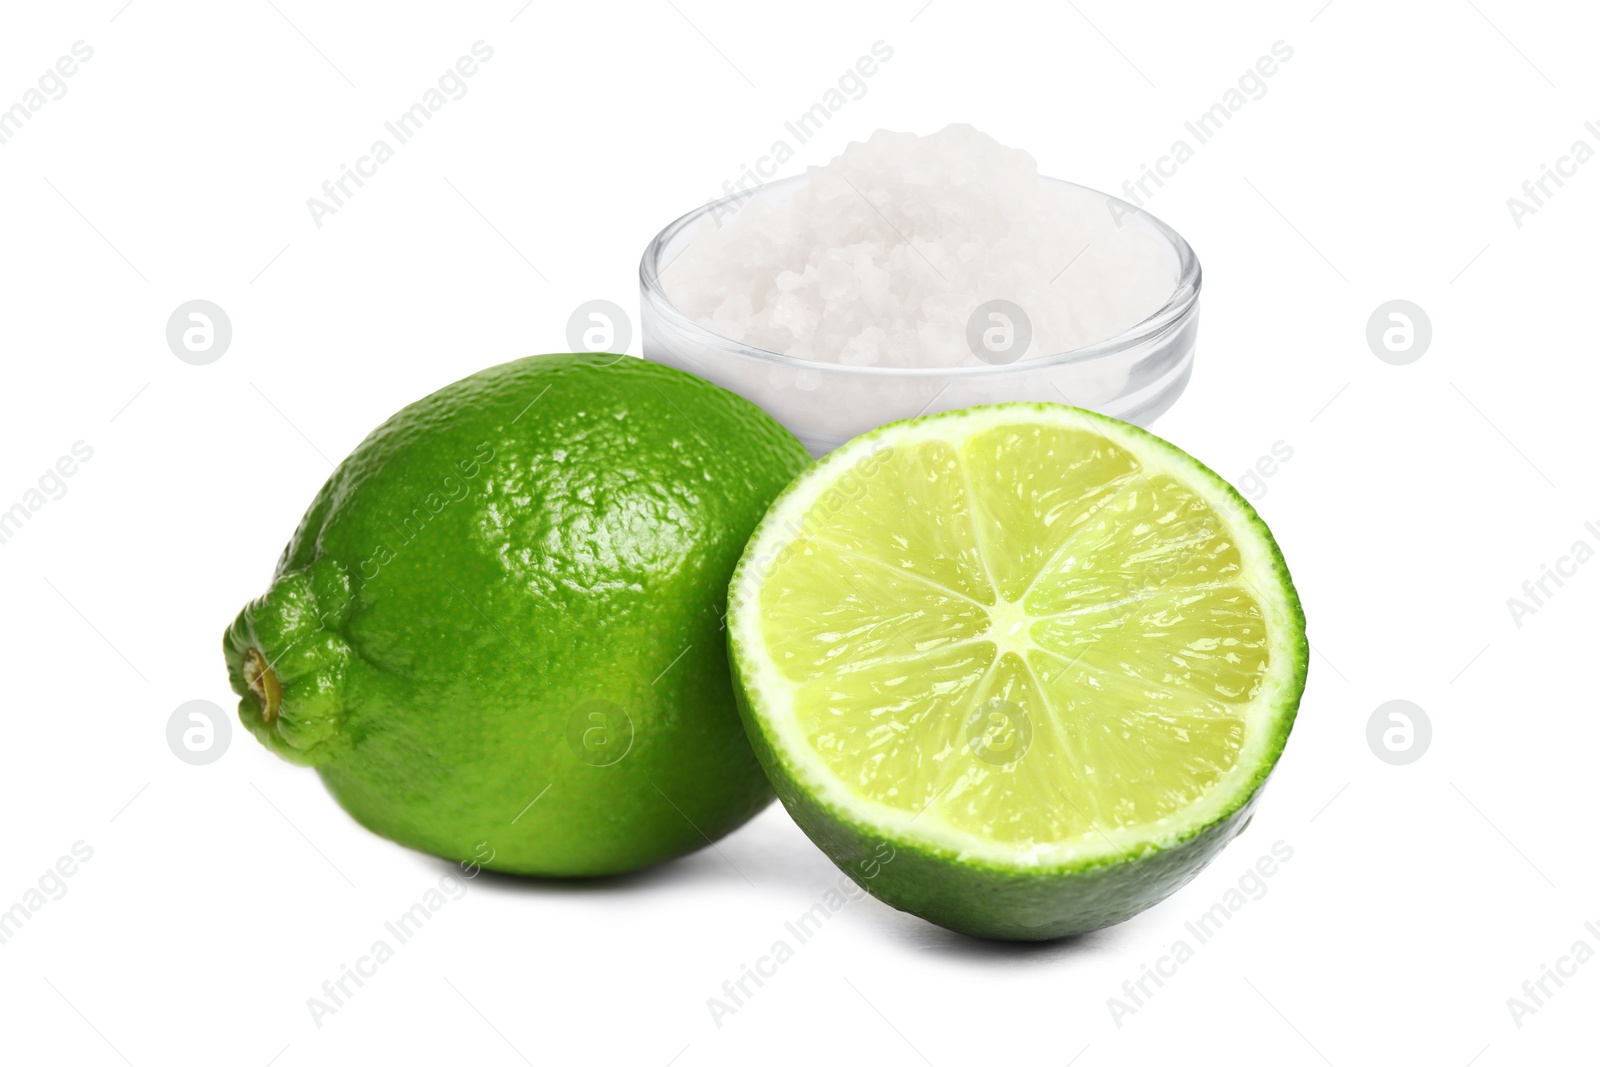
x: 1046, y: 656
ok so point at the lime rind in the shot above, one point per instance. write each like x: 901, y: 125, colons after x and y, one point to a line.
x: 836, y: 816
x: 287, y: 661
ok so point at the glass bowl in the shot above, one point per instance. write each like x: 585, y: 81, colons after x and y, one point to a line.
x: 1135, y: 375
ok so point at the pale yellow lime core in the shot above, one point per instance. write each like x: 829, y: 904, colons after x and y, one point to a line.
x: 1030, y: 567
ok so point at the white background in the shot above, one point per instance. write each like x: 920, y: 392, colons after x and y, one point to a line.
x: 1417, y: 500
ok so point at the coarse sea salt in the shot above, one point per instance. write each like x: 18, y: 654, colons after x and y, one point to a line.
x: 883, y: 256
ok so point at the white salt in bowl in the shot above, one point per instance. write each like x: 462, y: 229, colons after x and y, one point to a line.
x: 1135, y: 375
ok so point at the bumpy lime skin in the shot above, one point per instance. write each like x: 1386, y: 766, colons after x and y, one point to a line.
x: 540, y: 541
x: 1023, y: 903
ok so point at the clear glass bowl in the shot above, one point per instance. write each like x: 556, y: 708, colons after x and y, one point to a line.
x: 1135, y: 375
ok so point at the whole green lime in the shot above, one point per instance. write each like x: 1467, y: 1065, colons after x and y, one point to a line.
x: 497, y: 632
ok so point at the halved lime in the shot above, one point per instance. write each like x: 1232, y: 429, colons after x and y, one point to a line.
x: 1041, y: 658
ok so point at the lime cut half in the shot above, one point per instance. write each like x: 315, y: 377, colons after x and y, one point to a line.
x: 1020, y: 642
